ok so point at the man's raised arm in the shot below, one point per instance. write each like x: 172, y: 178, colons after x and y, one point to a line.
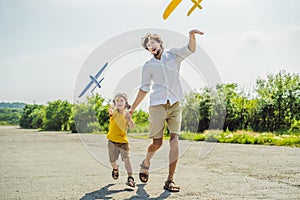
x: 192, y: 40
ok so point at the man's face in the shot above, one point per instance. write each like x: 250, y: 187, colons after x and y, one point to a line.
x: 154, y: 47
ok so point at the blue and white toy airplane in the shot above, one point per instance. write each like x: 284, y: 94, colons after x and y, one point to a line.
x: 94, y: 80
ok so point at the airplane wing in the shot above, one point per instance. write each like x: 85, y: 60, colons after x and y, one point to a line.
x: 172, y: 5
x: 97, y: 85
x: 196, y: 4
x: 86, y: 88
x: 101, y: 70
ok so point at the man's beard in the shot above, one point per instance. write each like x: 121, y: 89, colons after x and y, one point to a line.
x: 157, y: 54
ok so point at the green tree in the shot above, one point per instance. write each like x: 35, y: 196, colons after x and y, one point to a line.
x: 91, y: 115
x: 100, y: 105
x: 57, y: 115
x: 190, y: 112
x: 83, y: 115
x: 26, y: 118
x: 278, y: 101
x: 38, y: 116
x: 141, y: 120
x: 140, y: 117
x: 232, y: 120
x: 10, y: 116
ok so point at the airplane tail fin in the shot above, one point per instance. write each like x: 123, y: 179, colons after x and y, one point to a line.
x: 97, y: 85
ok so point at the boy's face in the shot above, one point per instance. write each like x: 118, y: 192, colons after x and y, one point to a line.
x: 120, y: 102
x: 154, y: 47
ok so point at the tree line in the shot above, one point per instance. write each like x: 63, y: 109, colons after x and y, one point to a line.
x: 274, y: 107
x: 10, y: 113
x: 85, y: 117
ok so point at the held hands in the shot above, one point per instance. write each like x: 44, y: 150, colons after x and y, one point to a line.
x: 128, y: 115
x: 130, y: 111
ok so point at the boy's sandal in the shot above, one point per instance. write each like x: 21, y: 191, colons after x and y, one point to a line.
x: 115, y: 173
x: 170, y: 186
x: 144, y: 176
x: 130, y: 181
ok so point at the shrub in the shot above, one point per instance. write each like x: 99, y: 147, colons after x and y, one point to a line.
x: 139, y: 129
x: 199, y: 137
x: 212, y: 137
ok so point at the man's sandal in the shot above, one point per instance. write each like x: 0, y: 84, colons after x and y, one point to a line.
x: 144, y: 176
x: 170, y: 186
x: 115, y: 173
x: 130, y: 181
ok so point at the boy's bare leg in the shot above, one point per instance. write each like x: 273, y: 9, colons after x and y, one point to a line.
x: 128, y: 166
x: 115, y: 171
x: 114, y: 165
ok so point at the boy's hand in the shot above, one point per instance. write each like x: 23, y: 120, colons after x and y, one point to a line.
x: 128, y: 117
x: 111, y: 109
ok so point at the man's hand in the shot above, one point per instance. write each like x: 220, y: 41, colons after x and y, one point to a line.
x: 130, y: 111
x: 192, y: 40
x: 195, y: 31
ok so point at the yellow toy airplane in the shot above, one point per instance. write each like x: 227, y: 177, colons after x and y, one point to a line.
x: 174, y: 3
x: 196, y: 4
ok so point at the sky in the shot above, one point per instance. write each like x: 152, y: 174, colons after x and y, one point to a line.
x: 45, y: 43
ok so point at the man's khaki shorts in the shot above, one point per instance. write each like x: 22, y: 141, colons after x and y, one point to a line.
x: 159, y: 114
x: 114, y: 149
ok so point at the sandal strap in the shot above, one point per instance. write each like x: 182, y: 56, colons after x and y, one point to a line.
x: 143, y: 166
x: 168, y: 182
x: 130, y: 178
x: 115, y: 173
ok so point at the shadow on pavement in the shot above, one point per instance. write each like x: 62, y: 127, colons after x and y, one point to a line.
x: 105, y: 192
x: 102, y: 193
x: 142, y: 194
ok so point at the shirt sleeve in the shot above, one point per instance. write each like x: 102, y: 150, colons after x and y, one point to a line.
x: 146, y: 79
x: 181, y: 53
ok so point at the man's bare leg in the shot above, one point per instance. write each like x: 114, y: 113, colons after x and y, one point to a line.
x: 153, y: 147
x: 173, y: 158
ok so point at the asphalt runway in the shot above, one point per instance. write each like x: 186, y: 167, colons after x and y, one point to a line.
x: 58, y: 165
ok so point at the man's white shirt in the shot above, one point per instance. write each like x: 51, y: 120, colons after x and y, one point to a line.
x: 161, y: 77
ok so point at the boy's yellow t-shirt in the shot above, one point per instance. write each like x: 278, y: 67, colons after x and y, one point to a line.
x: 117, y: 128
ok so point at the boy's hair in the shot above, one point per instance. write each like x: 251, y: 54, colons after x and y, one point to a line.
x: 123, y: 95
x: 150, y: 36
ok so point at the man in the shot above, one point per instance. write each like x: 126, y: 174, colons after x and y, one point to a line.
x: 161, y: 74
